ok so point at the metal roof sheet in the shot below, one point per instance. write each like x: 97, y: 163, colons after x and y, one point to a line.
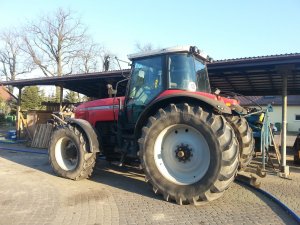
x: 256, y: 57
x: 292, y: 100
x: 256, y: 75
x: 90, y: 84
x: 250, y: 76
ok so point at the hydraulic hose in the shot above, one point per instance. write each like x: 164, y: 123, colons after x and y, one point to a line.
x: 272, y: 198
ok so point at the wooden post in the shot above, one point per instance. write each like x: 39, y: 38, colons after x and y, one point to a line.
x: 19, y: 121
x: 61, y: 97
x: 284, y: 112
x: 284, y: 168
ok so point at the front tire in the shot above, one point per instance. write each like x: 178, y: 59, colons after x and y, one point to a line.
x: 188, y: 154
x: 68, y: 154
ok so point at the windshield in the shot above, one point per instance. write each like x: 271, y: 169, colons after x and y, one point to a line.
x: 187, y: 73
x: 146, y: 79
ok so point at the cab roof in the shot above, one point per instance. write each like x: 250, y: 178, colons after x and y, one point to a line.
x: 179, y: 49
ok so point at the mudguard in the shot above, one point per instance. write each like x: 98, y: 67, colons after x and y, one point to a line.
x: 178, y: 98
x: 89, y: 131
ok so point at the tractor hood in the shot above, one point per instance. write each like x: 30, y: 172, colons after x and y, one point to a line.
x: 99, y: 110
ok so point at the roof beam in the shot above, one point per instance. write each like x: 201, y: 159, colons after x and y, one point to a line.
x: 249, y: 81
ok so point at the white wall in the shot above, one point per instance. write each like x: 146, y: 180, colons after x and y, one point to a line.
x: 292, y: 124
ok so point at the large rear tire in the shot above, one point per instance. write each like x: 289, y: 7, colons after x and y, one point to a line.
x: 68, y: 154
x: 245, y: 138
x: 188, y: 154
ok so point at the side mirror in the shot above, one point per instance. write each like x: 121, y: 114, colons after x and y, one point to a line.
x: 121, y: 81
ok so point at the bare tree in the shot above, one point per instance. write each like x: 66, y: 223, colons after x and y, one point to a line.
x: 55, y: 42
x: 143, y: 47
x: 89, y: 58
x: 13, y: 60
x: 94, y: 57
x: 87, y: 61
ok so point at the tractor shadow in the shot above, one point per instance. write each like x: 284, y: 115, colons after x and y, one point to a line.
x: 38, y: 162
x: 127, y: 178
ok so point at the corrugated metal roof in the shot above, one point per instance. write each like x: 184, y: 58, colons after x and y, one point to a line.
x: 261, y: 75
x: 256, y: 57
x: 90, y: 84
x: 292, y: 100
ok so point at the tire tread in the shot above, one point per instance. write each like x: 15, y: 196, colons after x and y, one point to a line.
x: 89, y: 159
x: 221, y: 130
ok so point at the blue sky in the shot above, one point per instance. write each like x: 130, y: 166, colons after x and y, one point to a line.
x: 223, y: 29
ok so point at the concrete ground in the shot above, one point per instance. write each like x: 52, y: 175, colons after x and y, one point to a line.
x: 32, y: 194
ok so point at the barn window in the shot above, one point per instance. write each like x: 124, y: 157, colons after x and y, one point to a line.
x: 297, y: 117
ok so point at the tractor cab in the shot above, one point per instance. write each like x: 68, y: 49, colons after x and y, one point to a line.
x: 179, y: 68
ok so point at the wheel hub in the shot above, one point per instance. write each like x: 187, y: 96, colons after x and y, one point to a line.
x: 71, y: 152
x: 66, y: 153
x: 183, y: 153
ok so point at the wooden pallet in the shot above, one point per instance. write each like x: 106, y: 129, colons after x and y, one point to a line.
x: 42, y: 135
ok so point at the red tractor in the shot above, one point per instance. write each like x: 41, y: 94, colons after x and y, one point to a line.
x: 189, y: 141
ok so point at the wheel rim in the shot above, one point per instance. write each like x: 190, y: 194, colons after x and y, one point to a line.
x: 66, y: 153
x: 181, y: 154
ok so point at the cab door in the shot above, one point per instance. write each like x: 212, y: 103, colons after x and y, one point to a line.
x: 145, y: 85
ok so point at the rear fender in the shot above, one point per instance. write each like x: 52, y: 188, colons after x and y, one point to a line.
x: 153, y: 107
x: 89, y: 131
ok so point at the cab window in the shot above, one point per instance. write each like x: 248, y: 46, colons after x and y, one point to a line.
x: 146, y: 80
x: 181, y: 72
x: 202, y: 77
